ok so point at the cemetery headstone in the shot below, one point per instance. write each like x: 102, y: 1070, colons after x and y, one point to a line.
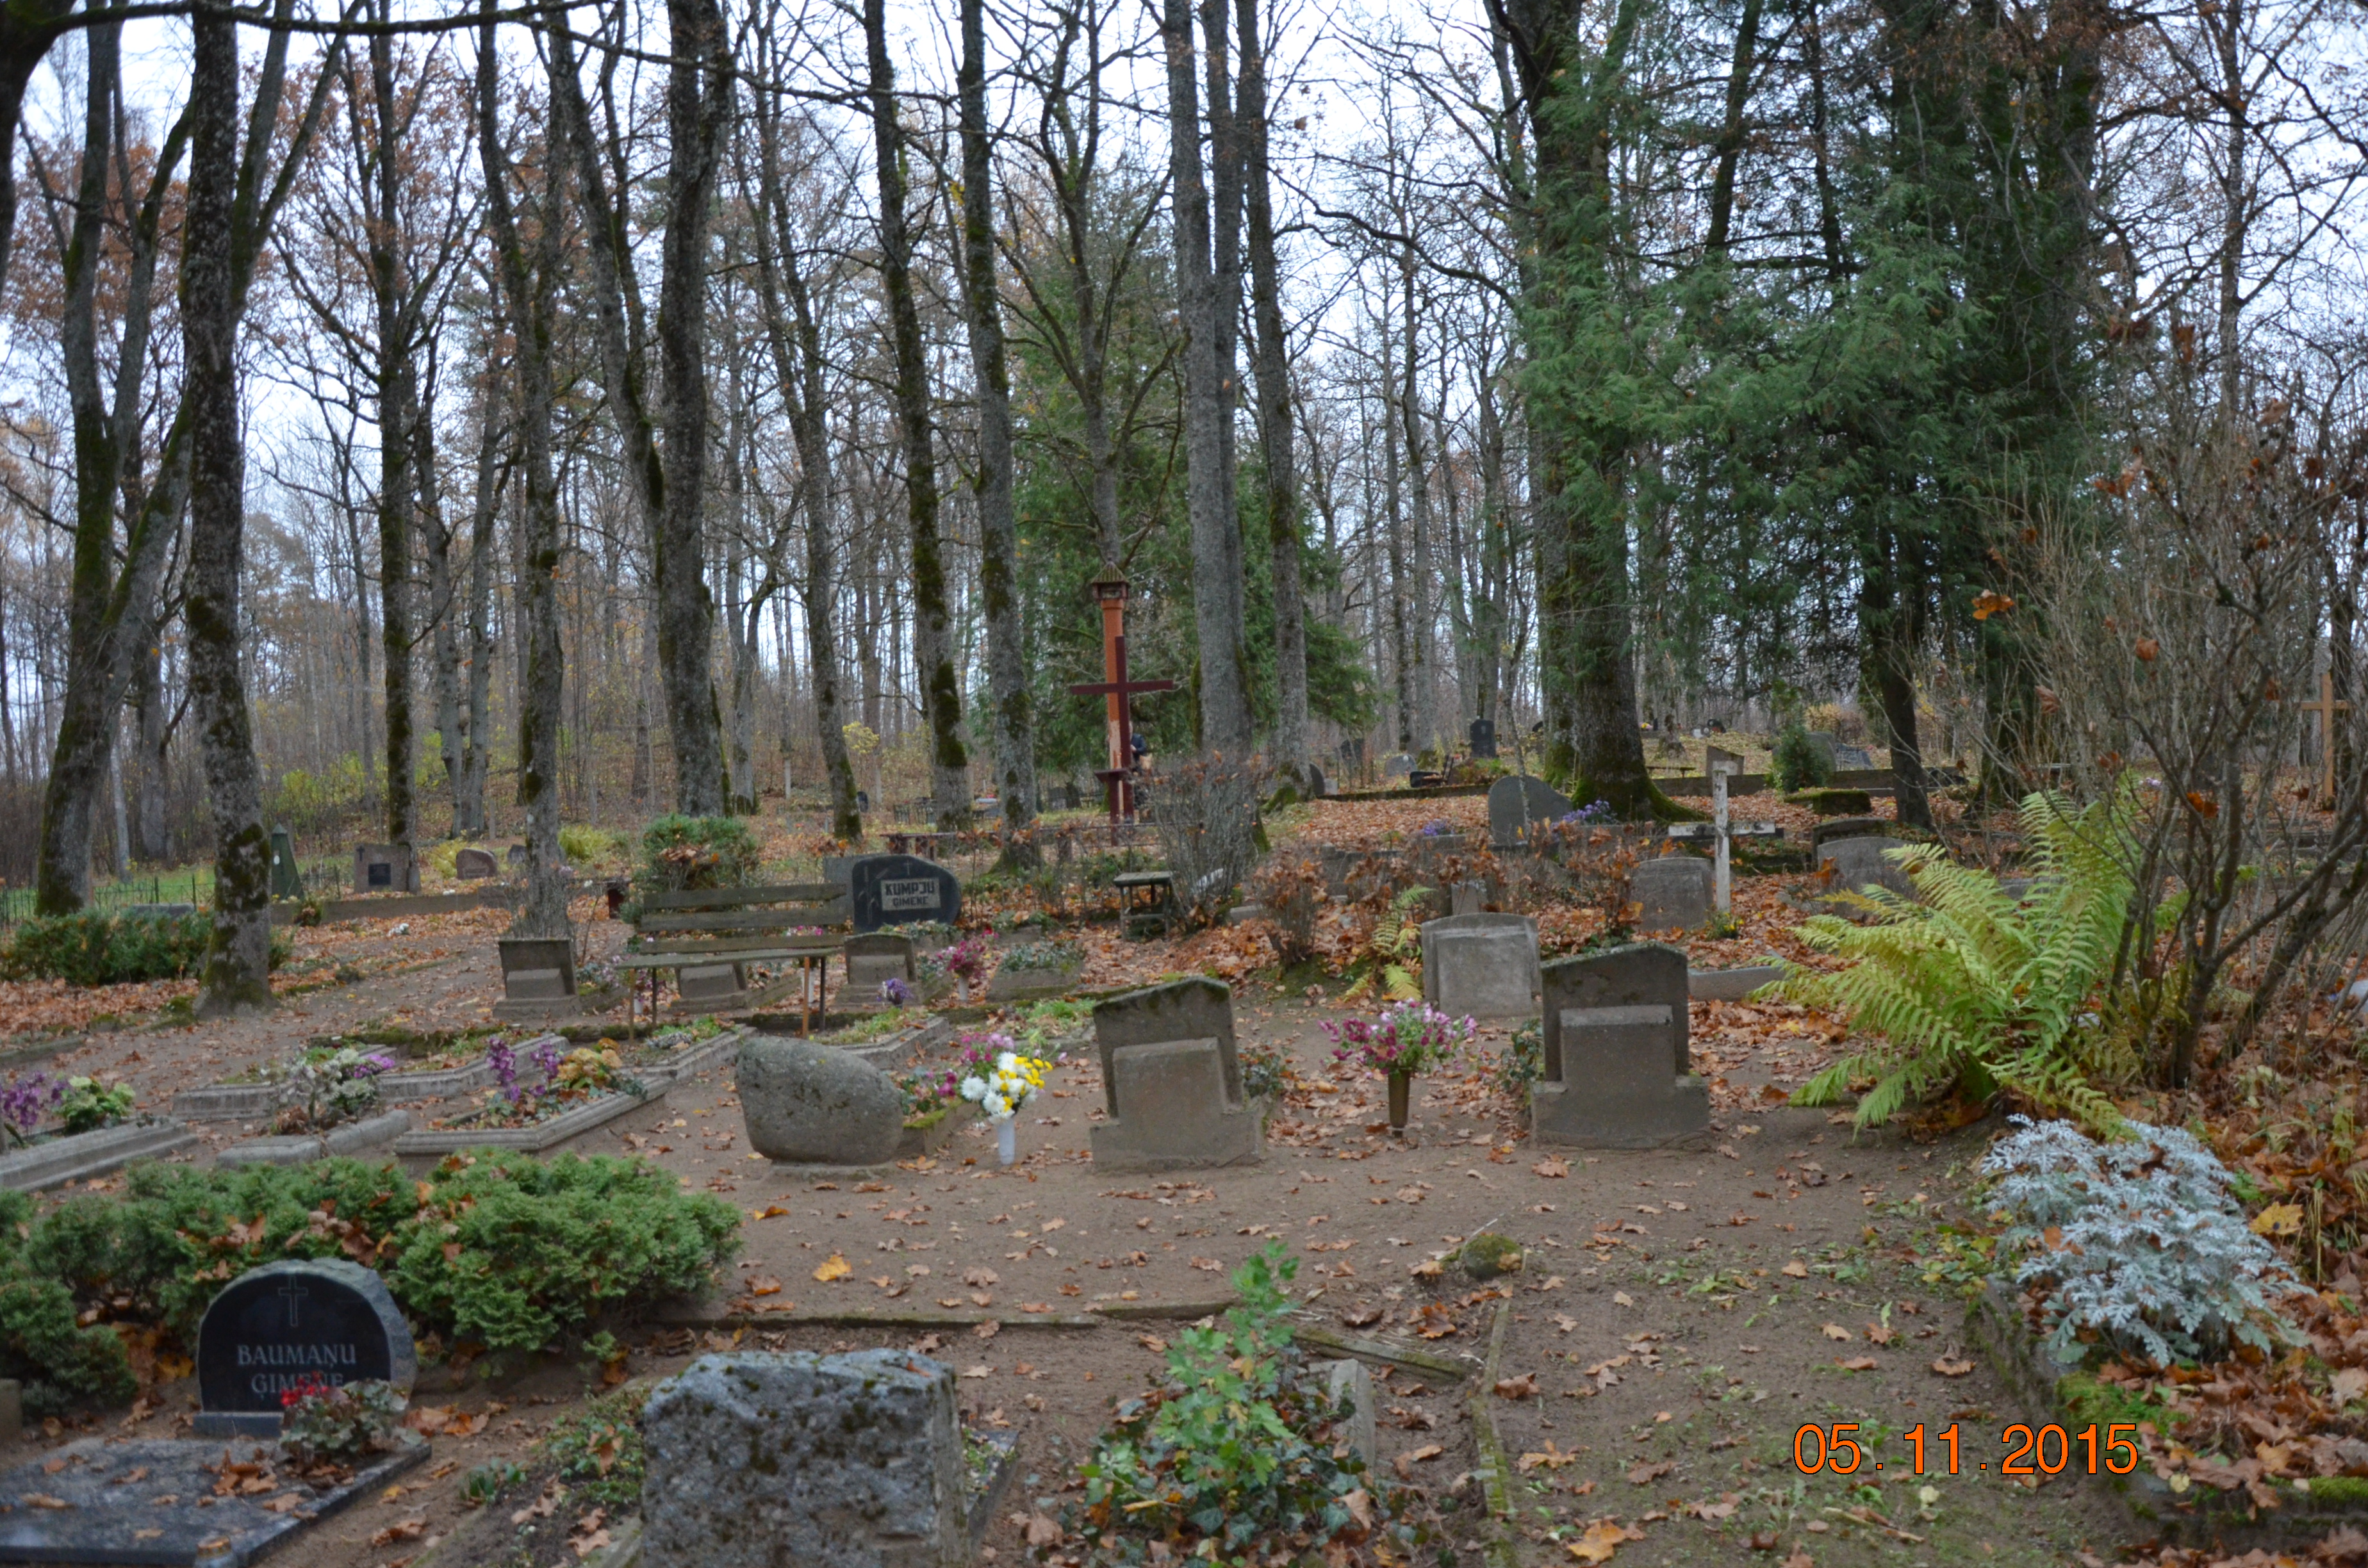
x: 1617, y: 1068
x: 808, y: 1104
x: 1714, y: 756
x: 852, y: 1460
x: 1673, y: 892
x: 1318, y: 785
x: 890, y: 890
x: 1862, y: 863
x: 273, y: 1326
x: 1484, y: 966
x: 1825, y: 741
x: 1516, y: 803
x: 1172, y: 1081
x: 287, y: 878
x: 515, y: 857
x: 875, y: 959
x: 1484, y: 738
x: 987, y: 806
x: 385, y: 868
x: 537, y: 978
x: 471, y: 864
x: 1352, y: 756
x: 1397, y: 764
x: 1849, y: 756
x: 1467, y: 898
x: 1824, y: 833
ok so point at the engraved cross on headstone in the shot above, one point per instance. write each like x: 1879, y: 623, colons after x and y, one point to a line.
x: 293, y: 1294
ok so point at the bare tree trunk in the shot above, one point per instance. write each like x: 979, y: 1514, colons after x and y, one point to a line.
x: 932, y: 632
x: 444, y: 610
x: 477, y: 741
x: 1224, y: 704
x: 238, y: 963
x: 1425, y: 695
x: 1275, y: 429
x: 1013, y: 716
x: 800, y: 370
x: 397, y: 390
x: 544, y: 911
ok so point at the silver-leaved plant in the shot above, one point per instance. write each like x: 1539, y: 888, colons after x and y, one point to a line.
x: 2138, y: 1241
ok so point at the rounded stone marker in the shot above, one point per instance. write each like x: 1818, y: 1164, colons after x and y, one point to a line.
x: 809, y: 1104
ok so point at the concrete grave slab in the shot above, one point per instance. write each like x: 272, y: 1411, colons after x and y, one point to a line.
x: 1179, y: 1115
x: 1619, y: 1088
x: 1193, y: 1008
x: 1484, y: 966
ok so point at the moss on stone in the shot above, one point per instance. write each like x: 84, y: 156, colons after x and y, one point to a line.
x: 1488, y: 1255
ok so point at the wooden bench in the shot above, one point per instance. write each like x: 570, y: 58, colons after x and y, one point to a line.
x: 709, y: 936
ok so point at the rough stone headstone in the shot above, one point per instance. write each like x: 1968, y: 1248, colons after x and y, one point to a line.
x: 763, y: 1459
x: 272, y: 1327
x: 1824, y: 833
x: 1862, y: 863
x: 385, y: 868
x: 1484, y: 738
x: 287, y: 876
x: 537, y: 978
x: 1825, y: 741
x: 1193, y: 1008
x: 808, y: 1104
x: 1516, y: 801
x: 1849, y: 756
x: 1484, y: 966
x: 1467, y: 898
x: 1179, y: 1116
x: 1673, y: 892
x: 874, y: 959
x: 891, y: 890
x: 471, y: 864
x: 1352, y: 755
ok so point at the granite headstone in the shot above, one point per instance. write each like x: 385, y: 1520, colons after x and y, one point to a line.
x: 385, y: 868
x: 471, y: 864
x: 1673, y: 892
x: 274, y: 1327
x: 1617, y: 1067
x: 891, y: 890
x: 1483, y: 966
x: 1484, y: 738
x: 1859, y: 864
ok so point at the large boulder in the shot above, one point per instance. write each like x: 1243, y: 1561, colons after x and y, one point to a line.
x: 808, y: 1104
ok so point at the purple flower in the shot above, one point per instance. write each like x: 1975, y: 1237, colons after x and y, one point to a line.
x: 25, y: 1101
x: 547, y: 1053
x: 895, y: 993
x: 504, y: 1061
x: 370, y: 1066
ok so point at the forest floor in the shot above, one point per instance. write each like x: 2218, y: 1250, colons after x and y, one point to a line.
x: 1680, y: 1316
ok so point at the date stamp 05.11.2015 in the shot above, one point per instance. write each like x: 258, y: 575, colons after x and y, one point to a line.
x: 2024, y: 1451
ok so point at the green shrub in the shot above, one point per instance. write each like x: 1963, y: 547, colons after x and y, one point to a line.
x: 1235, y: 1453
x: 93, y: 948
x: 88, y: 1105
x: 501, y: 1249
x: 1520, y: 1064
x: 1799, y: 763
x: 1970, y: 986
x: 680, y: 852
x: 599, y: 1450
x: 584, y: 845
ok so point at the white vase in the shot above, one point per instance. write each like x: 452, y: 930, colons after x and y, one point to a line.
x: 1007, y: 1140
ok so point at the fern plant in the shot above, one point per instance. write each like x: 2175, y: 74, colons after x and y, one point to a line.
x: 1397, y: 937
x: 1967, y: 984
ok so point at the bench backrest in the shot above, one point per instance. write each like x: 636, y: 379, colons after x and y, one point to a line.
x: 748, y: 916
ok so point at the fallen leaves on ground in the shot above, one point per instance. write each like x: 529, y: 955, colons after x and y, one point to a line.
x: 1601, y: 1540
x: 833, y: 1267
x: 1950, y: 1367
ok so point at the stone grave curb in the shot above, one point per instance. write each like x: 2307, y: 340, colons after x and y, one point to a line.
x: 979, y: 1505
x: 229, y: 1102
x: 39, y: 1051
x: 542, y: 1138
x: 410, y: 905
x: 1496, y: 1475
x: 1060, y: 984
x: 367, y: 1136
x: 694, y: 1058
x: 2202, y: 1516
x: 442, y: 1082
x: 1383, y: 1351
x: 92, y: 1154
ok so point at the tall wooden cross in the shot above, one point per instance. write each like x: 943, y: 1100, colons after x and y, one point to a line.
x: 2327, y: 708
x: 1118, y: 779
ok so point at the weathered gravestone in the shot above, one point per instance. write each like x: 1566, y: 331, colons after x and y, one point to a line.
x: 890, y: 890
x: 765, y: 1460
x: 1398, y: 765
x: 1467, y: 898
x: 875, y: 959
x: 471, y: 864
x: 273, y: 1327
x: 385, y: 868
x: 1483, y: 966
x: 537, y: 978
x: 1825, y: 741
x: 1673, y: 892
x: 1172, y: 1081
x: 1860, y: 864
x: 515, y: 857
x: 813, y: 1105
x: 1516, y: 803
x: 1714, y: 756
x: 1618, y: 1073
x: 1318, y: 785
x: 1851, y: 756
x: 1824, y: 833
x: 1484, y: 738
x: 287, y: 878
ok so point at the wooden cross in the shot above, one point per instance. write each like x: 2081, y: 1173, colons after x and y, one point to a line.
x: 1118, y: 777
x: 2327, y: 708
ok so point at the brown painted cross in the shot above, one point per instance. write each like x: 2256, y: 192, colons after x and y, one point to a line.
x: 1119, y: 690
x: 2327, y: 708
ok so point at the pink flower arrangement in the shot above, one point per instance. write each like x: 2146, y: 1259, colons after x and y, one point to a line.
x: 1412, y: 1037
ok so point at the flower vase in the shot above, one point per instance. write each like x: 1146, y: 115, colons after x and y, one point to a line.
x: 1007, y: 1140
x: 1401, y: 1085
x: 961, y: 990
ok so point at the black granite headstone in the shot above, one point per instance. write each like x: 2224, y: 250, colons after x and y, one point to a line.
x: 273, y: 1327
x: 1484, y: 737
x: 891, y: 890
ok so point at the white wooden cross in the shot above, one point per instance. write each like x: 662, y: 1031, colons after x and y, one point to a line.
x: 2327, y: 708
